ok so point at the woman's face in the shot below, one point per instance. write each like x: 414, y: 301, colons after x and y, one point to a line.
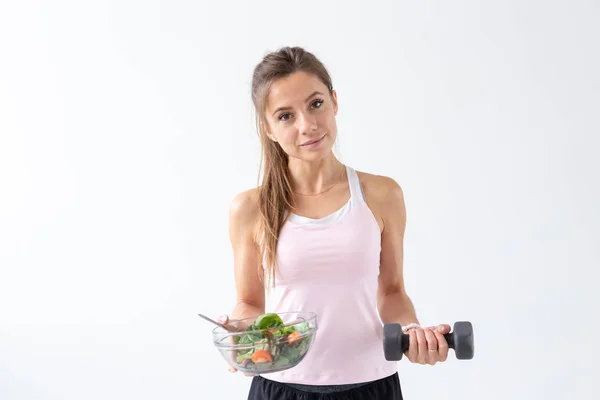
x: 300, y: 115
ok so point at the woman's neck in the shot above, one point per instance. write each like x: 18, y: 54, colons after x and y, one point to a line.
x: 312, y: 178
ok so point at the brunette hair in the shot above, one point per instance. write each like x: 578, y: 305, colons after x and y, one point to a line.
x: 275, y: 196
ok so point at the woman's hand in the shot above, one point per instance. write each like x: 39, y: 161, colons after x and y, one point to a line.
x: 231, y: 325
x: 428, y: 345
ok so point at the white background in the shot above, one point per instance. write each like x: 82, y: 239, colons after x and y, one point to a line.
x: 126, y: 128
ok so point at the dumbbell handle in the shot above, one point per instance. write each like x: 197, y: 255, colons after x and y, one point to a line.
x: 405, y: 341
x: 396, y: 342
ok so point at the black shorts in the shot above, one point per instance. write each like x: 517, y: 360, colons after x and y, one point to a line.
x: 383, y: 389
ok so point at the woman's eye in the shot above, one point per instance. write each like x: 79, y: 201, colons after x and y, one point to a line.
x: 316, y: 104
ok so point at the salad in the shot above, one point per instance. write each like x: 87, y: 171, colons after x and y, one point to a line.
x: 269, y: 344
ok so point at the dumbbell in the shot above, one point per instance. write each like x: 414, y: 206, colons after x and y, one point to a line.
x: 395, y: 342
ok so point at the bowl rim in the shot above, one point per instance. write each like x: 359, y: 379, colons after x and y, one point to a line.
x: 219, y: 331
x: 250, y: 346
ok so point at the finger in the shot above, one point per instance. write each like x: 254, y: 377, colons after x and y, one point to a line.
x: 442, y: 346
x: 228, y: 323
x: 422, y: 346
x: 223, y: 320
x: 443, y: 328
x: 432, y: 347
x: 413, y: 350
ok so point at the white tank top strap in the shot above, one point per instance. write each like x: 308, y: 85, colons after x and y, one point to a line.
x: 356, y: 198
x: 356, y: 192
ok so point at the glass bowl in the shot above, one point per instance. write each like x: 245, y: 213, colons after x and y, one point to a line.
x: 269, y: 343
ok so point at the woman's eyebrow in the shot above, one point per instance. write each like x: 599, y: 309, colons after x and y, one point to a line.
x: 316, y: 92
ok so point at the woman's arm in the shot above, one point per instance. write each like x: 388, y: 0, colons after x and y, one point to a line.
x: 394, y: 304
x: 427, y: 345
x: 250, y: 292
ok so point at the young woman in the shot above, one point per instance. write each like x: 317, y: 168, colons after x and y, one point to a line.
x: 318, y: 236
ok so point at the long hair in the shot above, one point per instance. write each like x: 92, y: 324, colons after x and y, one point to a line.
x: 275, y: 195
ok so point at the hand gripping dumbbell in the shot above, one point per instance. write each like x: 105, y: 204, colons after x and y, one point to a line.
x: 395, y: 342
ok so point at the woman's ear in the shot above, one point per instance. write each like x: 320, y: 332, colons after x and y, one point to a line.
x: 335, y: 101
x: 263, y: 128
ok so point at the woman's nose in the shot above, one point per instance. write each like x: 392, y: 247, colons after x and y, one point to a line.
x: 306, y: 123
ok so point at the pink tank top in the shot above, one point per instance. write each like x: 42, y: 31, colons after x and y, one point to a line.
x: 330, y: 266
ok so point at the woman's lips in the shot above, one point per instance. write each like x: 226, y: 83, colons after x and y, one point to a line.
x: 313, y: 143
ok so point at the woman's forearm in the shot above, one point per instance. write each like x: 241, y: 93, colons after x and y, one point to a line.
x: 246, y: 310
x: 397, y: 308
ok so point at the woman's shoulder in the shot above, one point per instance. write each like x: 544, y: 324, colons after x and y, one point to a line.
x: 244, y: 205
x: 384, y: 197
x: 380, y: 188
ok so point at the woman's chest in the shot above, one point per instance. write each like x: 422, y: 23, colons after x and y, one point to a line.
x: 348, y: 248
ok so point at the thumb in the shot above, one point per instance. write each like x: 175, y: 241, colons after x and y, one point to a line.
x: 443, y: 329
x: 223, y: 319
